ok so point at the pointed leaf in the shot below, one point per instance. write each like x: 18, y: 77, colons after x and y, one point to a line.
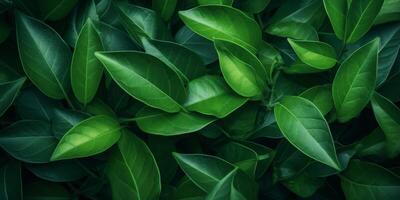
x: 321, y: 96
x: 316, y: 54
x: 9, y: 91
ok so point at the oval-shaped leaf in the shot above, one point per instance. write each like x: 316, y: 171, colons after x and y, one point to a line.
x: 364, y: 180
x: 210, y: 95
x: 321, y: 96
x: 390, y: 11
x: 29, y: 140
x: 44, y: 55
x: 304, y: 126
x: 61, y: 171
x: 86, y: 70
x: 388, y: 116
x: 132, y: 170
x: 32, y: 104
x: 89, y: 137
x: 168, y: 124
x: 242, y: 70
x: 145, y: 78
x: 337, y: 12
x: 214, y: 21
x: 9, y: 91
x: 354, y: 82
x: 317, y: 54
x: 204, y: 170
x: 295, y: 30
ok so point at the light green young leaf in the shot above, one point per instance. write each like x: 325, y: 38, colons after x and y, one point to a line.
x: 321, y: 96
x: 241, y: 69
x: 304, y: 126
x: 132, y: 170
x: 215, y: 21
x: 210, y: 95
x: 90, y: 137
x: 354, y: 82
x: 86, y: 70
x: 317, y: 54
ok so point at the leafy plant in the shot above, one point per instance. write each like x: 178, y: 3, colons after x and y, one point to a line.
x: 199, y: 99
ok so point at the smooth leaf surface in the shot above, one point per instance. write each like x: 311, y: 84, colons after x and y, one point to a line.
x: 132, y: 170
x: 166, y: 8
x: 168, y: 124
x: 212, y: 21
x: 91, y: 136
x: 320, y: 96
x: 11, y: 183
x: 304, y: 126
x: 316, y: 54
x: 9, y: 91
x: 354, y: 82
x: 145, y: 78
x: 44, y: 55
x: 210, y: 95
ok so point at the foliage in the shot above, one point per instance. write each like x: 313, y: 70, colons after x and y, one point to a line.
x: 199, y: 99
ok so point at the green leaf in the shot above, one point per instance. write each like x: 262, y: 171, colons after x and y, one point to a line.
x: 55, y: 9
x: 45, y: 191
x: 141, y: 23
x: 241, y: 69
x: 29, y: 140
x: 166, y: 8
x: 44, y: 55
x: 372, y: 144
x: 157, y: 122
x: 132, y: 170
x: 210, y: 95
x: 372, y: 182
x: 187, y: 64
x: 360, y: 18
x: 388, y: 116
x: 114, y: 39
x: 145, y: 78
x: 89, y: 137
x: 11, y: 183
x: 86, y: 70
x: 9, y: 91
x: 390, y: 11
x: 215, y: 2
x: 265, y: 156
x: 252, y: 6
x: 188, y: 190
x: 270, y: 58
x: 337, y: 12
x: 214, y: 21
x: 354, y: 82
x: 234, y: 185
x: 316, y: 54
x: 61, y: 171
x: 295, y: 30
x: 304, y: 126
x: 304, y: 185
x: 320, y: 96
x: 198, y: 44
x: 204, y: 170
x: 62, y: 120
x: 32, y: 104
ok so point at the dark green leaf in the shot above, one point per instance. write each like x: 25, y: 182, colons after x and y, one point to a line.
x: 11, y: 183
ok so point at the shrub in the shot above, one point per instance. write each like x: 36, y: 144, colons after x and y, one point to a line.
x: 206, y: 99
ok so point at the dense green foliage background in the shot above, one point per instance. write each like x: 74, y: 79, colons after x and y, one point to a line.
x: 199, y: 99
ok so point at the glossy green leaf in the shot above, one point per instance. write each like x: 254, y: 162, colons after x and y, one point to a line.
x: 9, y: 91
x: 204, y: 170
x: 132, y: 170
x: 304, y: 185
x: 188, y: 190
x: 145, y: 78
x: 265, y: 156
x: 141, y: 23
x: 241, y: 69
x: 360, y: 18
x: 180, y: 59
x: 321, y: 96
x: 29, y: 140
x: 304, y: 126
x: 295, y: 30
x: 166, y: 8
x: 86, y: 70
x: 63, y: 120
x: 213, y: 21
x: 354, y: 82
x: 337, y: 12
x: 114, y: 39
x: 388, y: 116
x: 89, y: 137
x: 11, y: 182
x: 372, y: 182
x: 32, y: 104
x: 44, y: 55
x: 157, y: 122
x: 372, y: 144
x: 210, y: 95
x: 252, y: 6
x: 390, y: 11
x: 316, y: 54
x: 240, y: 124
